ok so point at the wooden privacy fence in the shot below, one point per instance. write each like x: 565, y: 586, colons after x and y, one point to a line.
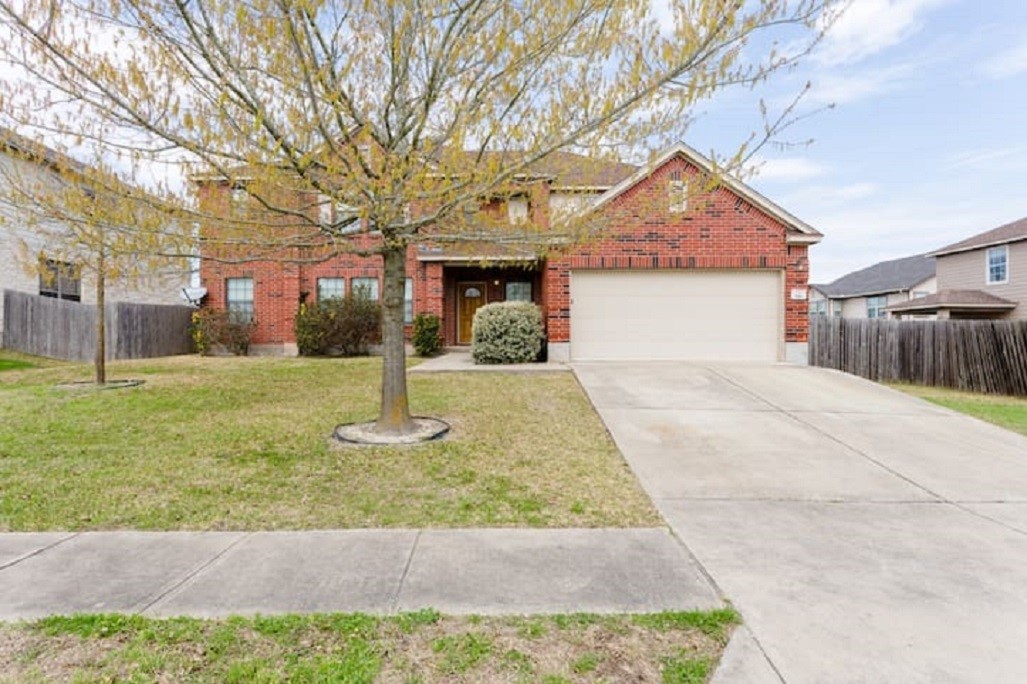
x: 979, y: 356
x: 45, y: 326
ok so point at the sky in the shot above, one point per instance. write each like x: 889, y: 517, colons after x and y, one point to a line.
x: 926, y: 143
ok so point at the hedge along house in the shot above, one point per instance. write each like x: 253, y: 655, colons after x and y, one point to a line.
x: 676, y: 268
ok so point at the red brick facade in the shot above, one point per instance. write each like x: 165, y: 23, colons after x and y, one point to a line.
x: 719, y: 230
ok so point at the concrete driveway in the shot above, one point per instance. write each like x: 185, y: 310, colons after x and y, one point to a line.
x: 864, y: 535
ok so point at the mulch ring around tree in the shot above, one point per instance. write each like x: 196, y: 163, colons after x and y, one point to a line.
x: 85, y: 385
x: 354, y: 434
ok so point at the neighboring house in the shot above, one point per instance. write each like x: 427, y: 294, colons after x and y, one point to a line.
x: 722, y: 275
x: 984, y: 276
x: 869, y: 292
x: 24, y: 160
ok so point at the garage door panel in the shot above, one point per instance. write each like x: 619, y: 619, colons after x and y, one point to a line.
x: 731, y: 315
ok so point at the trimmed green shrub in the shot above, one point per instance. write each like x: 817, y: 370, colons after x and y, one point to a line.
x: 345, y: 326
x: 507, y: 332
x: 427, y: 334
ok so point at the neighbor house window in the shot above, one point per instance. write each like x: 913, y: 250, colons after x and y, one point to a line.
x: 998, y: 265
x: 818, y: 307
x: 875, y: 306
x: 836, y: 307
x: 677, y: 193
x: 239, y: 299
x: 60, y: 280
x: 408, y: 301
x: 365, y: 287
x: 330, y: 288
x: 917, y: 294
x: 518, y: 291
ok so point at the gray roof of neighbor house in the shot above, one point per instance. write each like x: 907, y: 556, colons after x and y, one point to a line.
x: 897, y: 275
x: 1010, y: 232
x: 954, y: 299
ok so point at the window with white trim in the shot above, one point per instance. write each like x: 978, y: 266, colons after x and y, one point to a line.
x: 239, y: 299
x: 330, y: 288
x: 518, y: 290
x: 60, y: 280
x: 365, y: 287
x: 408, y: 301
x: 917, y: 294
x: 875, y: 306
x: 998, y: 265
x: 677, y: 193
x: 818, y: 307
x: 517, y: 210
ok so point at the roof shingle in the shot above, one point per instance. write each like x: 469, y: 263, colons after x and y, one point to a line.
x: 1010, y: 232
x: 887, y: 276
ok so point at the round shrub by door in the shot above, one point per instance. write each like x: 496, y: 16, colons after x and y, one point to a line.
x: 507, y: 332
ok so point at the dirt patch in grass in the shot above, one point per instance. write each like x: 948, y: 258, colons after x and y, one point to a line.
x: 243, y: 444
x: 414, y: 647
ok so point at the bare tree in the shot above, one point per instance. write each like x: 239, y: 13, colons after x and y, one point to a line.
x: 402, y: 112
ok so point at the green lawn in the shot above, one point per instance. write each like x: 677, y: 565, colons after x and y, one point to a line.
x: 243, y: 443
x: 676, y: 648
x: 1009, y: 412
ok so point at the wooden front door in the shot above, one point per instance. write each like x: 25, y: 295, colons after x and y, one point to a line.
x: 469, y: 296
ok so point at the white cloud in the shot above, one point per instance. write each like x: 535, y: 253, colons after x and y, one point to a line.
x: 991, y: 159
x: 841, y: 88
x: 1009, y: 63
x: 870, y: 26
x: 861, y: 234
x: 787, y: 169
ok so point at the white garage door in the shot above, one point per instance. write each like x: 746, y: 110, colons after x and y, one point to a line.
x: 702, y: 315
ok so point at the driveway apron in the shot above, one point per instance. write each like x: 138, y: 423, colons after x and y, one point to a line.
x: 864, y: 535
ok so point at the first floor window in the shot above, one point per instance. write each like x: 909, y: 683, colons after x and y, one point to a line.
x: 998, y: 265
x: 408, y: 301
x: 818, y: 307
x: 518, y: 290
x: 365, y: 287
x: 239, y: 299
x: 330, y: 288
x: 875, y: 306
x: 61, y: 280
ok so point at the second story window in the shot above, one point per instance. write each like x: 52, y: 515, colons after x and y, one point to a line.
x: 60, y: 280
x: 517, y: 210
x: 998, y: 265
x: 677, y: 193
x: 875, y: 306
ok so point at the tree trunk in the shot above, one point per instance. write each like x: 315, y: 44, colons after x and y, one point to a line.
x: 394, y: 418
x: 101, y: 323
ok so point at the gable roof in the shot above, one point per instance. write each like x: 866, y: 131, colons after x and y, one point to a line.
x: 802, y: 232
x: 897, y: 275
x: 37, y: 152
x: 1010, y: 232
x: 955, y: 299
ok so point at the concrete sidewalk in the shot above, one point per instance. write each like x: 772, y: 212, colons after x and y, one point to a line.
x: 478, y: 571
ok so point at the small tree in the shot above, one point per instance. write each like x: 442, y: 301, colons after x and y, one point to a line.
x: 403, y: 115
x: 80, y: 218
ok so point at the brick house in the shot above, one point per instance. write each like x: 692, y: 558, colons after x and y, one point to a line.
x: 678, y: 271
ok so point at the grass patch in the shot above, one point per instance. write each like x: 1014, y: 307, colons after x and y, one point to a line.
x: 242, y: 443
x: 1007, y: 412
x: 355, y: 648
